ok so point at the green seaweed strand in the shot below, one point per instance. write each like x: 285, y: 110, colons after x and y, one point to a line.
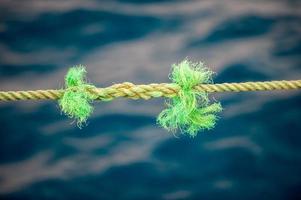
x: 190, y: 111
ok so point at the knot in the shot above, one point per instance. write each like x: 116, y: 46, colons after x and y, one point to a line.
x: 76, y: 100
x: 189, y: 111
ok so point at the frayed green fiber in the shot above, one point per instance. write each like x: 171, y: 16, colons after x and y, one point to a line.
x: 76, y: 100
x: 75, y: 76
x: 189, y: 111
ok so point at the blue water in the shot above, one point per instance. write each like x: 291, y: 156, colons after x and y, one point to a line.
x: 254, y: 151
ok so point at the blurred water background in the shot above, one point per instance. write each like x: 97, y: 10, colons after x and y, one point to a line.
x: 253, y: 153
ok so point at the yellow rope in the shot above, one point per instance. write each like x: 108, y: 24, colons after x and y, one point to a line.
x: 129, y: 90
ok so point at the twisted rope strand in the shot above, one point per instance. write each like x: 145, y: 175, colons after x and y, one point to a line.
x: 153, y: 90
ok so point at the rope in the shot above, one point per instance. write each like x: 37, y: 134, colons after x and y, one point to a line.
x: 132, y: 91
x: 189, y: 109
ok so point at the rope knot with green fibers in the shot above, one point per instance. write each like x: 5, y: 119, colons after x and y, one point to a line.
x: 76, y: 99
x: 188, y: 109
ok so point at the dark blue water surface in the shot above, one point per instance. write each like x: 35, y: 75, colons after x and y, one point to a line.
x: 253, y: 153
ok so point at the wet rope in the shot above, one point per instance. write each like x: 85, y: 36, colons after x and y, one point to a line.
x: 153, y: 90
x: 188, y: 110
